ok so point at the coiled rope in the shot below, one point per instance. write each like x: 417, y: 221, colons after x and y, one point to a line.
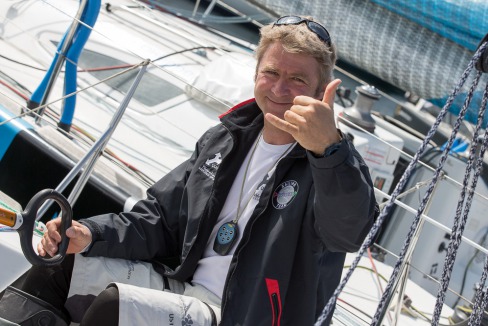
x: 403, y: 180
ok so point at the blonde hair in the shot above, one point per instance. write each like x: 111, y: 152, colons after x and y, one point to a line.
x: 299, y: 39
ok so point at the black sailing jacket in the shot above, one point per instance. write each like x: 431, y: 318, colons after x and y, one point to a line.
x: 291, y: 256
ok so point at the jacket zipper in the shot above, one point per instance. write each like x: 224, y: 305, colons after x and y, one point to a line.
x: 276, y: 309
x: 241, y: 245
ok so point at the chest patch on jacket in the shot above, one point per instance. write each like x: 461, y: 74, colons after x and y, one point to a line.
x: 284, y: 194
x: 211, y: 165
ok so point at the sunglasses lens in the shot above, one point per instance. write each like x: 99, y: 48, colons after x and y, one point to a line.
x: 289, y: 20
x: 320, y: 31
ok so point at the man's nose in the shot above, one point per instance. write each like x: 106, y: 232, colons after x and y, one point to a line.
x: 281, y: 88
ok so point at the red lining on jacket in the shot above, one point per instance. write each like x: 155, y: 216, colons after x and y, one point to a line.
x: 274, y: 288
x: 235, y: 107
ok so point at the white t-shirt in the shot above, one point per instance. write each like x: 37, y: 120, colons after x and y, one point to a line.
x: 212, y: 268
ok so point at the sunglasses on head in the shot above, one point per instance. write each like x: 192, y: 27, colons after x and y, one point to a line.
x: 315, y: 27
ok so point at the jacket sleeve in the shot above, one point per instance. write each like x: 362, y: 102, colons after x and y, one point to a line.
x: 344, y: 203
x: 152, y: 228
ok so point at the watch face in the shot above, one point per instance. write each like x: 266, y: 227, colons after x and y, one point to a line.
x: 332, y: 149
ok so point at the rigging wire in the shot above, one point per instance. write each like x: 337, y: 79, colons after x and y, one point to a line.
x: 155, y: 21
x: 373, y: 265
x: 160, y: 67
x: 10, y: 82
x: 411, y: 157
x: 34, y: 110
x: 109, y: 154
x: 22, y: 63
x: 13, y: 89
x: 109, y: 67
x: 468, y: 265
x: 355, y: 307
x: 407, y: 302
x: 425, y: 275
x: 146, y: 179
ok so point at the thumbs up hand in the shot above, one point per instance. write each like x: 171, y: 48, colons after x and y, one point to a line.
x: 311, y: 121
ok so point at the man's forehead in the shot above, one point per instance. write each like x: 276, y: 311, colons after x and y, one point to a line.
x: 276, y: 52
x: 295, y: 70
x: 296, y: 63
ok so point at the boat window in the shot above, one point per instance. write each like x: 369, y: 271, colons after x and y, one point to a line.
x: 151, y: 91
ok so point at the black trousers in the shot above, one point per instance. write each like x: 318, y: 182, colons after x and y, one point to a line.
x: 51, y: 284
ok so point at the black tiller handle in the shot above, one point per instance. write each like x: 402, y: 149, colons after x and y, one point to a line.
x: 26, y: 230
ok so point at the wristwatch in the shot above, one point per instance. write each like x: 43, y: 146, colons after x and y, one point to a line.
x: 330, y: 150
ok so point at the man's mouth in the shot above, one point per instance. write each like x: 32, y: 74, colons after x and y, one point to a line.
x: 279, y: 102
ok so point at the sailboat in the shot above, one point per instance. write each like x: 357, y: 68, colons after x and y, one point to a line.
x: 149, y: 82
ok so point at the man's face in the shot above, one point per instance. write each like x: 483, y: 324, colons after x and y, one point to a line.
x: 281, y: 76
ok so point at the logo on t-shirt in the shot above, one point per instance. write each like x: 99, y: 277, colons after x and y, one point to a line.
x: 209, y: 168
x: 259, y: 191
x: 284, y: 194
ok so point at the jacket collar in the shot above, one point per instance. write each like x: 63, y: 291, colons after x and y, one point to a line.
x: 245, y: 115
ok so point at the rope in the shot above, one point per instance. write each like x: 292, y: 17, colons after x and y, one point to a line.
x: 437, y: 173
x: 481, y: 299
x: 460, y: 223
x: 403, y: 180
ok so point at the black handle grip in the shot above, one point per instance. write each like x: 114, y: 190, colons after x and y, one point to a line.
x: 26, y: 230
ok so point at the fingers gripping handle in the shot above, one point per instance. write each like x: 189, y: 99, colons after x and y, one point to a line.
x: 27, y: 229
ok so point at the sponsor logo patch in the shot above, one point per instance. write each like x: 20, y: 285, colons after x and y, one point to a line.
x: 211, y: 165
x: 284, y: 194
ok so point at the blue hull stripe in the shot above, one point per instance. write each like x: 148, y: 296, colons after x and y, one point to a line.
x: 9, y: 130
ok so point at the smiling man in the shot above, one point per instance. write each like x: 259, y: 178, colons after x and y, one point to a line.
x: 257, y: 221
x: 289, y: 86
